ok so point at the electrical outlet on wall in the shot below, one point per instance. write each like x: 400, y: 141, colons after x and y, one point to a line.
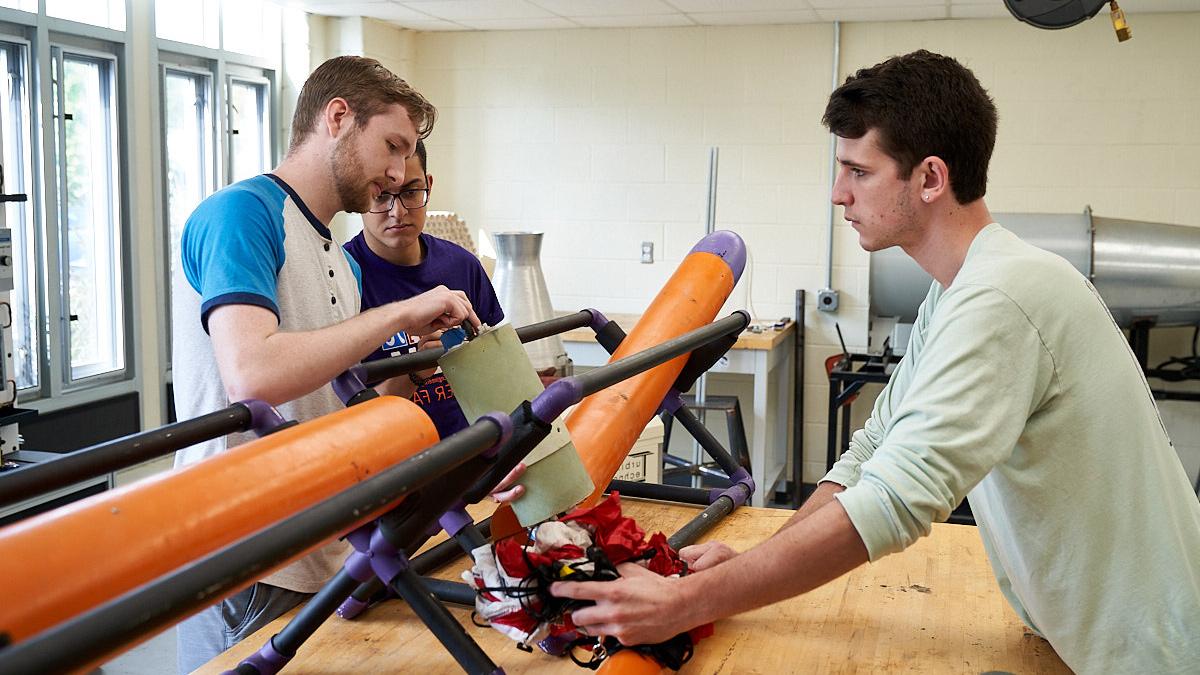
x: 647, y: 252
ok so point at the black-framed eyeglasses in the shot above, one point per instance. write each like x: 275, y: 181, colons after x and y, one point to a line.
x: 409, y: 199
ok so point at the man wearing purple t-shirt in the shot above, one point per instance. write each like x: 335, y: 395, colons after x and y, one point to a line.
x: 398, y: 261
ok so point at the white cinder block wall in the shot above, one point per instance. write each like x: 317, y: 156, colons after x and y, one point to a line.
x: 600, y: 139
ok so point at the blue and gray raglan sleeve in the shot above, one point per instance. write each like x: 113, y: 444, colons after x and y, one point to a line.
x: 232, y: 249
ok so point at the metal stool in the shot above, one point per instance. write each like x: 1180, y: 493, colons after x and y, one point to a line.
x: 738, y: 447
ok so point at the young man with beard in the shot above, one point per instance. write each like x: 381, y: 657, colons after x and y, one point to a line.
x: 399, y: 260
x: 1017, y: 392
x: 266, y: 304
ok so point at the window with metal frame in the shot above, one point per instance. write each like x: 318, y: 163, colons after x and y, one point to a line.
x: 89, y: 212
x: 249, y: 102
x: 189, y: 156
x: 16, y: 141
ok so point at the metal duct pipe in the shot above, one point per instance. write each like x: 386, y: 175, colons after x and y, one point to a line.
x: 521, y: 289
x: 1142, y: 270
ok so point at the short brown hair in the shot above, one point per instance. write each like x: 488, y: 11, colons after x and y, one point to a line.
x: 368, y: 88
x: 923, y: 104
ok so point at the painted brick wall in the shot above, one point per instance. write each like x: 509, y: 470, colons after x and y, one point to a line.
x: 600, y: 139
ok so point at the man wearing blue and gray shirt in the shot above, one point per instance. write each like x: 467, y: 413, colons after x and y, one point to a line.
x: 266, y: 303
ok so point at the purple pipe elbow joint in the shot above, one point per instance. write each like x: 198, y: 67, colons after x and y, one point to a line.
x: 560, y: 395
x: 348, y: 384
x: 599, y: 321
x: 266, y: 661
x: 728, y: 246
x: 743, y: 486
x: 671, y: 402
x: 503, y: 421
x: 264, y: 418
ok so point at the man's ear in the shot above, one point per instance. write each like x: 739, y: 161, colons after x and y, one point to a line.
x: 935, y: 178
x: 337, y: 117
x: 429, y: 182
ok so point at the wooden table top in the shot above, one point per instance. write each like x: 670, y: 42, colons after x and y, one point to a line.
x: 766, y: 340
x: 932, y: 608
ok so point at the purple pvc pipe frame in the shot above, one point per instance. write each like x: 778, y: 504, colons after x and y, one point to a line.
x: 456, y: 518
x: 264, y: 418
x: 361, y: 565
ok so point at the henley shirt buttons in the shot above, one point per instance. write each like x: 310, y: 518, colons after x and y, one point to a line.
x: 326, y: 246
x: 330, y: 274
x: 332, y: 300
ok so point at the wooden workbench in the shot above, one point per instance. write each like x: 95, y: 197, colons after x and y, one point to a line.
x: 933, y: 608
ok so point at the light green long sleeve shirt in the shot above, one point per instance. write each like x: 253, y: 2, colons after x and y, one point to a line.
x: 1019, y: 392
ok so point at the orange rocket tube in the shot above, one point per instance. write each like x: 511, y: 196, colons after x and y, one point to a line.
x: 629, y: 662
x: 71, y: 559
x: 606, y: 424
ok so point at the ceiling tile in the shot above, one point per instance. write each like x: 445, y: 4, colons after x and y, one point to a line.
x: 883, y: 13
x: 428, y: 25
x: 881, y: 5
x: 345, y: 8
x: 690, y: 6
x: 993, y: 11
x: 542, y: 23
x: 472, y: 10
x: 574, y: 8
x: 755, y: 18
x: 656, y: 20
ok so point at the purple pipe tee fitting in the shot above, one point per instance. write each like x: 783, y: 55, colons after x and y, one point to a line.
x: 739, y: 492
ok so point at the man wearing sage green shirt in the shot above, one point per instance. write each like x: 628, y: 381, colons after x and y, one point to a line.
x: 1017, y: 391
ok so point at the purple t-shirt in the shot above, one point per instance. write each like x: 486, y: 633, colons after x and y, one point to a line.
x: 445, y: 264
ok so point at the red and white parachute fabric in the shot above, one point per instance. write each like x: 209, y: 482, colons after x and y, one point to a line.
x: 512, y: 577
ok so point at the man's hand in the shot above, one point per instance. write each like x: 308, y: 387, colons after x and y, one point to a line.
x: 639, y: 608
x: 435, y: 310
x: 503, y: 493
x: 703, y: 556
x: 431, y: 341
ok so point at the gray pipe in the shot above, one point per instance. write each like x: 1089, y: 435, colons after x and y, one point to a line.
x: 1142, y: 270
x: 835, y: 82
